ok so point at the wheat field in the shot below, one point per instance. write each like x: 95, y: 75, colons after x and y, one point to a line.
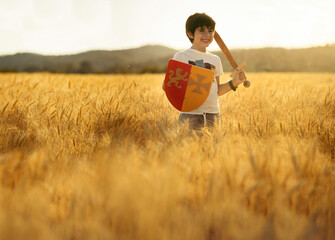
x: 102, y: 157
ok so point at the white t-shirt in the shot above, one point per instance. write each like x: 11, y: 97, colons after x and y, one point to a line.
x: 190, y: 56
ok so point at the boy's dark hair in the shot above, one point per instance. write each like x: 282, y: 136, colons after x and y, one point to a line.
x: 198, y: 20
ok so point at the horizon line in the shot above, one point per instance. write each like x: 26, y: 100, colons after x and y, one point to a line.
x: 158, y: 44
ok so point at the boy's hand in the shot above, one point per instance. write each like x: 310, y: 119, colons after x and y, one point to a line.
x: 239, y: 78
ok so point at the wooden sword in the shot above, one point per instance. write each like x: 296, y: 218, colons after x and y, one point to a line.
x: 231, y: 60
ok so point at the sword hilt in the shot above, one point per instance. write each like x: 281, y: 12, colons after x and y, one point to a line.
x: 246, y: 83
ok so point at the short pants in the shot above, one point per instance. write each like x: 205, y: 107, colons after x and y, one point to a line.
x: 198, y: 121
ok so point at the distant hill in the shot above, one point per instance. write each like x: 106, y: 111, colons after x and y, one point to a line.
x: 154, y: 58
x: 146, y: 58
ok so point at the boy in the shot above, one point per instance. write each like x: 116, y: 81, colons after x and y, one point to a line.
x: 200, y: 30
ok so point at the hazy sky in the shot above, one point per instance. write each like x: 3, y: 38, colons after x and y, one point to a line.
x: 71, y: 26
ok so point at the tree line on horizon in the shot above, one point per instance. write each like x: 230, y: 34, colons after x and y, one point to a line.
x: 154, y: 59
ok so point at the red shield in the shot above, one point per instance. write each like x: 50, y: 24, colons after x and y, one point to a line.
x: 187, y: 86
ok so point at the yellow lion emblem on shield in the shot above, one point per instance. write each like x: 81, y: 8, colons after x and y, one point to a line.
x: 178, y: 77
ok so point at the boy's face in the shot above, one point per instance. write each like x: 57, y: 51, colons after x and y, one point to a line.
x: 202, y: 38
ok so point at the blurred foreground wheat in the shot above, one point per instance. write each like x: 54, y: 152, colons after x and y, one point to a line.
x: 102, y: 157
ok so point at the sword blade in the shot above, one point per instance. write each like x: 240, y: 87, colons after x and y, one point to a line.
x: 225, y: 50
